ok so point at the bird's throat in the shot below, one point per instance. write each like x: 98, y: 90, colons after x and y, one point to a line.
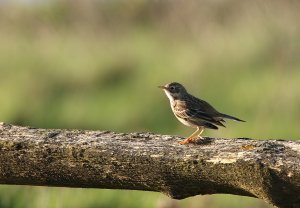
x: 171, y: 98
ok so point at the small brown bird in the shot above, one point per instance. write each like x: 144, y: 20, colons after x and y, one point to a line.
x: 192, y: 111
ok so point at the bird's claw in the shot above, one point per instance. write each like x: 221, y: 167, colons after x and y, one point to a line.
x: 190, y: 139
x: 186, y: 141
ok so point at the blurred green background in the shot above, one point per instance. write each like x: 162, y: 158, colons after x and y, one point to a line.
x: 97, y: 65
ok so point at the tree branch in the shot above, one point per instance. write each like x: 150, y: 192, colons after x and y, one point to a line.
x: 266, y: 169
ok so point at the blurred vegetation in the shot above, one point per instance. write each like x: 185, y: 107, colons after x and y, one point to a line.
x: 96, y: 65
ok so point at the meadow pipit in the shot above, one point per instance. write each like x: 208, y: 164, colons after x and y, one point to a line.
x: 192, y: 111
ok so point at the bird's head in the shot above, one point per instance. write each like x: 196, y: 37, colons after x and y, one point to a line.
x: 174, y: 90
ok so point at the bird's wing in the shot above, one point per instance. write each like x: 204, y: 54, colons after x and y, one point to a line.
x: 186, y: 110
x: 202, y: 106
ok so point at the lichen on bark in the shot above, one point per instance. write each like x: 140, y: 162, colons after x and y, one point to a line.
x: 266, y: 169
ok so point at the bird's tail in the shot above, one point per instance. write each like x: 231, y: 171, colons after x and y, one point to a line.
x: 231, y: 117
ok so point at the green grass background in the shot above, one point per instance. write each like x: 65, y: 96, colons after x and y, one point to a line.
x: 97, y: 65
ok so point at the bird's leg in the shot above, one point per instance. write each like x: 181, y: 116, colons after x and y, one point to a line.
x: 201, y: 131
x: 190, y: 138
x: 198, y: 135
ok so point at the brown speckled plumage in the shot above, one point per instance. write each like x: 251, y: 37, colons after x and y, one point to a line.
x: 192, y: 111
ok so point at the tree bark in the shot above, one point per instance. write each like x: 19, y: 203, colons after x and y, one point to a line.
x: 266, y: 169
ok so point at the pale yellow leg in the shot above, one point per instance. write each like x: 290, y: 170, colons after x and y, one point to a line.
x: 201, y: 131
x: 190, y: 138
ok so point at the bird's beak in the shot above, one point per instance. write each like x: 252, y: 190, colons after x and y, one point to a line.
x: 163, y: 87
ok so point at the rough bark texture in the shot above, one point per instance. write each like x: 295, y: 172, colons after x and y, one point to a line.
x: 266, y: 169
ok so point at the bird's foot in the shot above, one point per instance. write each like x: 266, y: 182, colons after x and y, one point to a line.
x: 190, y: 139
x: 186, y: 141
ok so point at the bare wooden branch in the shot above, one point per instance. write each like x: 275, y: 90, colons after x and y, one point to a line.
x: 266, y: 169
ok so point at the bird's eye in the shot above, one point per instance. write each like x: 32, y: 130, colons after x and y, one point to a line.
x: 172, y: 88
